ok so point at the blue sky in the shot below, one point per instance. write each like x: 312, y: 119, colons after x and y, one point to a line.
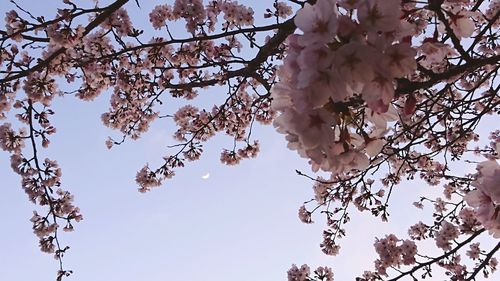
x: 240, y: 224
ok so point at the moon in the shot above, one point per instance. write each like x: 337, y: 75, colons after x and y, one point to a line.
x: 206, y: 176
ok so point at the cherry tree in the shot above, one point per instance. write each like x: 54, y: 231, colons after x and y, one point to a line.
x: 370, y: 92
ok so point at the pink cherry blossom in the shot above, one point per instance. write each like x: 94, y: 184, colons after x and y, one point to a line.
x: 486, y: 198
x: 319, y: 22
x: 379, y: 15
x: 373, y: 94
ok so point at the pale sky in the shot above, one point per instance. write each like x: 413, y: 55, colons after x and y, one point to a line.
x: 239, y: 224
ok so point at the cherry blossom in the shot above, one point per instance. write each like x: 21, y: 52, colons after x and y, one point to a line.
x: 379, y: 15
x: 486, y: 198
x: 318, y: 22
x: 372, y: 93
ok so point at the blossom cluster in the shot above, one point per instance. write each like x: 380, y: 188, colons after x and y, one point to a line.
x: 40, y: 179
x: 304, y: 273
x: 446, y: 234
x: 195, y: 14
x: 344, y: 83
x: 485, y: 199
x: 10, y: 140
x: 392, y: 254
x: 338, y: 59
x: 14, y: 24
x: 119, y: 22
x: 281, y: 9
x: 366, y: 87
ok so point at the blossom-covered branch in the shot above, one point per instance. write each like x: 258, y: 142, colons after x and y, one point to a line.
x: 371, y: 92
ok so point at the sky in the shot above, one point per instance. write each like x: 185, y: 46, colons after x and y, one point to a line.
x: 239, y: 224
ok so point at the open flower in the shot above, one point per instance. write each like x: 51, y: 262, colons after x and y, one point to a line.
x: 486, y: 198
x: 380, y: 15
x: 319, y: 22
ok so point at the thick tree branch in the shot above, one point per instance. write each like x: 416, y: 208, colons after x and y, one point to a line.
x: 406, y: 86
